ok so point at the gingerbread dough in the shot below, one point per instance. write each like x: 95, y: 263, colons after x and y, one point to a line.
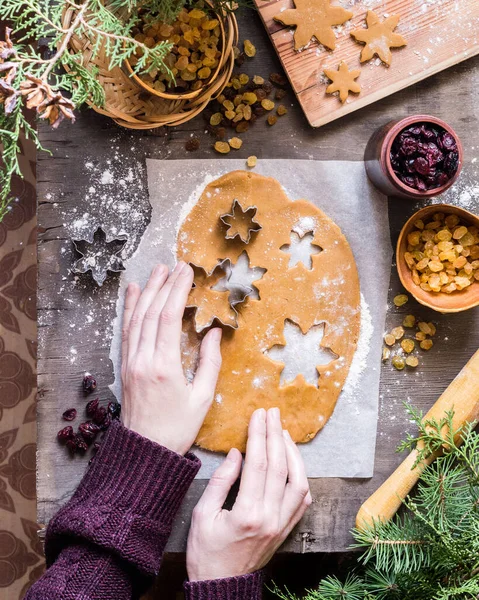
x: 314, y: 18
x: 379, y: 37
x: 327, y: 293
x: 343, y: 81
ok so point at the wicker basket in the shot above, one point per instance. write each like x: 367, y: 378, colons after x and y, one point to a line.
x: 130, y: 105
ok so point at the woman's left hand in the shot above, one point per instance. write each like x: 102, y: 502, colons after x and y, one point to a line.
x: 158, y: 402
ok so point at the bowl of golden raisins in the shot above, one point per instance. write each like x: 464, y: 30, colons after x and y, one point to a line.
x: 201, y: 56
x: 438, y: 257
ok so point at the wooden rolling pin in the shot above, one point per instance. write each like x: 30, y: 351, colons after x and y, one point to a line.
x: 462, y: 396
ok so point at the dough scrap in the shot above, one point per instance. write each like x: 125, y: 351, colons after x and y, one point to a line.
x: 328, y: 293
x: 314, y: 18
x: 343, y: 81
x: 379, y: 37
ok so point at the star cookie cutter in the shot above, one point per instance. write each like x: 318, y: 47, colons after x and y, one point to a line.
x: 208, y: 283
x: 229, y: 219
x: 99, y: 255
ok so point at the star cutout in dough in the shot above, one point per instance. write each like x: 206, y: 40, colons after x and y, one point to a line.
x: 314, y: 18
x: 240, y: 222
x: 379, y: 37
x: 240, y: 277
x: 301, y: 249
x: 302, y: 354
x: 210, y: 302
x: 343, y: 81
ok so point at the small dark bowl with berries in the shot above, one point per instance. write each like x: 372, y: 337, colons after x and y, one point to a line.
x: 416, y: 157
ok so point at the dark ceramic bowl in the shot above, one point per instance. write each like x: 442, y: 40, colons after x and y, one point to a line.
x: 377, y: 158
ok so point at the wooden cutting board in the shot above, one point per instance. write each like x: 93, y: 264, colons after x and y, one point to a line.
x: 440, y: 33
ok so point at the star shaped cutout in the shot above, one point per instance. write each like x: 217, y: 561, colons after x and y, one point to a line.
x: 212, y: 301
x: 343, y: 81
x: 241, y: 276
x: 379, y: 37
x: 302, y: 354
x: 240, y: 222
x: 301, y: 249
x: 314, y: 18
x: 100, y: 256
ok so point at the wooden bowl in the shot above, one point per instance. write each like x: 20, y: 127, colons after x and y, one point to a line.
x: 439, y: 301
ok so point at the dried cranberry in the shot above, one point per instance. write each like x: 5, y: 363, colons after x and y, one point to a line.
x: 419, y: 184
x: 80, y: 443
x: 422, y: 166
x: 100, y: 415
x: 72, y: 446
x: 88, y: 431
x: 89, y: 383
x: 408, y: 146
x: 442, y: 179
x: 451, y: 163
x: 92, y: 407
x: 114, y: 409
x: 70, y: 414
x: 409, y: 181
x: 448, y: 142
x: 65, y: 434
x: 106, y: 422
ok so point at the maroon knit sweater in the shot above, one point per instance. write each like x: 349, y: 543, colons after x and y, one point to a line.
x: 106, y: 543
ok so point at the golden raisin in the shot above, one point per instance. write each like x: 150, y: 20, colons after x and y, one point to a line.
x: 389, y: 339
x: 267, y: 104
x: 408, y: 345
x: 235, y: 142
x: 397, y: 332
x: 398, y: 363
x: 281, y: 110
x: 249, y: 49
x: 412, y: 361
x: 386, y: 354
x: 216, y: 119
x: 272, y: 119
x: 222, y: 147
x: 400, y: 299
x: 251, y: 161
x: 426, y: 344
x: 409, y: 321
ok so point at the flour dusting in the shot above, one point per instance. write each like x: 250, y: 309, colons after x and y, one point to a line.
x: 360, y: 360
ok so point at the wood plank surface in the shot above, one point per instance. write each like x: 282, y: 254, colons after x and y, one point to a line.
x: 439, y: 34
x: 75, y: 315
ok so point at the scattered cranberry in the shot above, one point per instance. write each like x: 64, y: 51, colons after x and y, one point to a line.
x: 88, y: 431
x: 100, y: 415
x: 424, y: 156
x: 106, y: 422
x: 81, y: 445
x: 70, y: 414
x: 92, y: 407
x: 89, y: 383
x: 65, y: 434
x: 114, y: 409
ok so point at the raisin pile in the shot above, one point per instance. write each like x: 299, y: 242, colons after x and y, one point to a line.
x: 424, y: 156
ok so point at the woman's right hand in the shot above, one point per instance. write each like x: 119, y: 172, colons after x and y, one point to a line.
x: 158, y: 402
x: 274, y: 495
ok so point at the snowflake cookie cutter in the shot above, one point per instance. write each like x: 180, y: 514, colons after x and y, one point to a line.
x: 99, y: 255
x: 209, y: 281
x: 229, y: 219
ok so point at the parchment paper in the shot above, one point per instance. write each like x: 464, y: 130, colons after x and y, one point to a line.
x: 346, y: 445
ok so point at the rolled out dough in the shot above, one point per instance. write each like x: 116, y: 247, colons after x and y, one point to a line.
x: 328, y: 293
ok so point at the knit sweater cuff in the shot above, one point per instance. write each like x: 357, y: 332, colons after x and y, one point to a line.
x: 127, y: 500
x: 245, y: 587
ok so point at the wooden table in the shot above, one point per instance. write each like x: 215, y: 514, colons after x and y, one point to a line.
x: 69, y: 343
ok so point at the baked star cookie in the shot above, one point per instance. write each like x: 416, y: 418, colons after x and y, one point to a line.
x: 343, y: 81
x: 314, y: 18
x: 379, y: 37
